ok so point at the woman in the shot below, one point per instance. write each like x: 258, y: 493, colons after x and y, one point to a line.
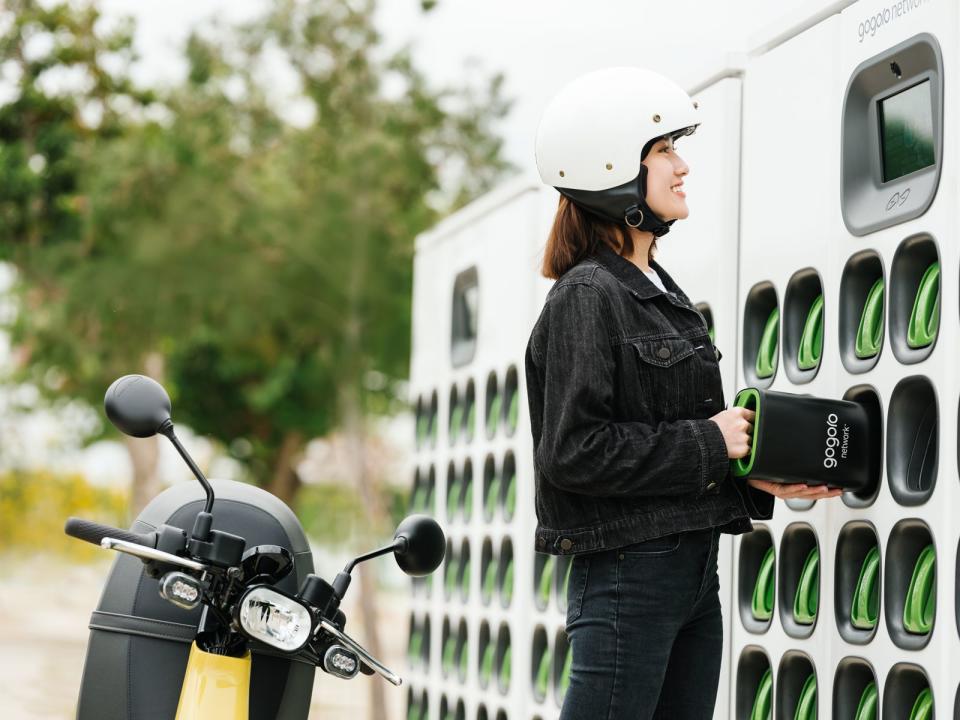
x: 632, y: 443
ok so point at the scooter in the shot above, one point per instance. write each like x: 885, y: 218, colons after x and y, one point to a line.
x: 242, y: 609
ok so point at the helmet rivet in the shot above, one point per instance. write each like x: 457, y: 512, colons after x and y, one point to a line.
x: 609, y: 166
x: 656, y: 117
x: 561, y: 173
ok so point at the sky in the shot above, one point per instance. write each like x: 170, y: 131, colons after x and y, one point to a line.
x: 538, y: 44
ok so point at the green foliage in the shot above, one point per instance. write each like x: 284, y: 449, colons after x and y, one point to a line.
x: 331, y: 513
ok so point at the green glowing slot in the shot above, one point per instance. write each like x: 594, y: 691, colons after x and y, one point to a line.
x: 510, y: 503
x: 767, y: 352
x: 811, y: 341
x: 546, y: 580
x: 490, y: 501
x: 456, y: 416
x: 925, y: 316
x: 921, y: 600
x: 486, y: 664
x: 807, y: 599
x: 748, y: 398
x: 507, y: 590
x: 762, y: 604
x: 865, y: 606
x: 867, y: 707
x: 465, y: 579
x: 565, y: 671
x: 505, y: 670
x: 870, y: 331
x: 807, y: 703
x: 763, y: 700
x: 493, y: 415
x: 448, y: 649
x: 543, y: 673
x: 490, y: 579
x: 513, y: 411
x: 453, y: 497
x: 923, y: 706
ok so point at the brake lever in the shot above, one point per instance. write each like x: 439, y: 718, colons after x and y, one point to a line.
x: 147, y: 553
x: 366, y: 657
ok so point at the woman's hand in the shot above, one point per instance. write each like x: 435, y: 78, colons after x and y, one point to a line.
x: 799, y: 491
x: 736, y: 424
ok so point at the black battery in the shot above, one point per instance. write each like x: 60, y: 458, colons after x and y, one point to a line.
x: 799, y: 438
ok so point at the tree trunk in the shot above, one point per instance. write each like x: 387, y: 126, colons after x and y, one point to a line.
x: 144, y: 452
x: 369, y: 490
x: 286, y: 480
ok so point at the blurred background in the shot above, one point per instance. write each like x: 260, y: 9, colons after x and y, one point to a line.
x: 224, y: 196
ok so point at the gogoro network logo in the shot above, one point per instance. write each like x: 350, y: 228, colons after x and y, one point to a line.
x: 898, y: 198
x: 887, y: 15
x: 830, y: 452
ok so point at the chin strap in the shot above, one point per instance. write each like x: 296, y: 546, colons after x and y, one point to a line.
x: 624, y: 204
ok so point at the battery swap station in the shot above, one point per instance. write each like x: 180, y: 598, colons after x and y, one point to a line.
x: 822, y: 250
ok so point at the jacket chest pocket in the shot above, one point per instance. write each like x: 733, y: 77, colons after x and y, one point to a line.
x: 668, y: 373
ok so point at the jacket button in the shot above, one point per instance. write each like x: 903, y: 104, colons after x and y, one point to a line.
x: 540, y: 542
x: 664, y: 352
x: 566, y: 544
x: 711, y: 486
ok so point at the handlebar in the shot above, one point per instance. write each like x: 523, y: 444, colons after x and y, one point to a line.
x: 94, y: 532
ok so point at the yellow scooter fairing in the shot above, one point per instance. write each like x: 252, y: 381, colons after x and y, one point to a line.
x: 215, y: 687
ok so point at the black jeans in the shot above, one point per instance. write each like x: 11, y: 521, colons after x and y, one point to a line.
x: 646, y: 631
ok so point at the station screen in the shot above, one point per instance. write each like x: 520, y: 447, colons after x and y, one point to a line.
x: 906, y: 131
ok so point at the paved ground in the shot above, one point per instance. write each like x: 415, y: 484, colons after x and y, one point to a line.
x: 41, y: 660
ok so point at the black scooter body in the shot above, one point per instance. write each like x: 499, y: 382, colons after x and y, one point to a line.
x: 806, y: 439
x: 139, y: 642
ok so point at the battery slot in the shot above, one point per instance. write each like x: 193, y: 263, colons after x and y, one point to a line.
x: 761, y: 321
x: 562, y: 658
x: 796, y: 688
x: 542, y: 664
x: 798, y: 580
x: 909, y: 593
x: 914, y: 302
x: 866, y: 396
x: 912, y: 440
x: 855, y: 693
x: 803, y: 319
x: 756, y: 580
x: 907, y: 693
x: 861, y: 316
x: 754, y: 685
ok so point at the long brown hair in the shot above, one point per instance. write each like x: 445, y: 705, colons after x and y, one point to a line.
x: 576, y: 233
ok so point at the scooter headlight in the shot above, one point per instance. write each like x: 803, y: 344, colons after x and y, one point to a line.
x: 267, y: 615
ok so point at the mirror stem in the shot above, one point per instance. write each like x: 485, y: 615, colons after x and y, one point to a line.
x: 167, y: 430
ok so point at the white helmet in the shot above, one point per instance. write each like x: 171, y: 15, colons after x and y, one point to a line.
x: 595, y: 132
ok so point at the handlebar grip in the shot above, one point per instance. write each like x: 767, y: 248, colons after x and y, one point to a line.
x: 94, y: 532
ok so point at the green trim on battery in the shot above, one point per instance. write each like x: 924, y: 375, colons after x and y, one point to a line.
x: 449, y: 648
x: 507, y: 590
x: 513, y: 411
x: 465, y: 579
x: 467, y: 495
x: 450, y: 577
x: 493, y: 414
x: 761, y: 605
x: 505, y: 667
x: 462, y: 659
x: 456, y: 417
x: 486, y: 664
x: 471, y: 420
x: 453, y: 497
x: 490, y: 579
x: 923, y: 706
x: 870, y: 330
x: 712, y: 335
x: 767, y: 352
x: 743, y: 466
x: 543, y: 673
x: 490, y: 501
x: 925, y: 316
x: 565, y: 671
x: 416, y: 642
x: 868, y: 705
x: 811, y: 340
x: 921, y: 600
x: 865, y: 606
x: 807, y: 599
x: 418, y: 501
x: 763, y: 700
x: 546, y: 580
x: 510, y: 503
x: 807, y: 702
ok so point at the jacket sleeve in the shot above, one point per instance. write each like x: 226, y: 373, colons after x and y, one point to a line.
x: 581, y: 449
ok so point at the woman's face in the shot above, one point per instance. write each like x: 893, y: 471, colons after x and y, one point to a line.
x: 664, y: 170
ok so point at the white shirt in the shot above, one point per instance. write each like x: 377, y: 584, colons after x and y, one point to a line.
x: 653, y: 277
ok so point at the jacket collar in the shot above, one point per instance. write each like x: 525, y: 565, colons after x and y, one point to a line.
x: 632, y: 276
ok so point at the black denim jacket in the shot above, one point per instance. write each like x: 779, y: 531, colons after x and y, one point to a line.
x: 622, y: 379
